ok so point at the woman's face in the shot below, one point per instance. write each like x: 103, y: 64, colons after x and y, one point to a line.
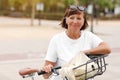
x: 75, y: 21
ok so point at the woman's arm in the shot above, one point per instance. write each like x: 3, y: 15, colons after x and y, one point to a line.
x: 102, y: 48
x: 47, y: 68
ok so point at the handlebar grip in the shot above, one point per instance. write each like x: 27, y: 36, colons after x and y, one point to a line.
x: 57, y: 68
x: 43, y: 72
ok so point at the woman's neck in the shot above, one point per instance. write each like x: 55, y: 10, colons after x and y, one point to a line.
x: 73, y: 35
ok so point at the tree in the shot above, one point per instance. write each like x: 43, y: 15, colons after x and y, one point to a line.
x: 67, y: 2
x: 4, y: 5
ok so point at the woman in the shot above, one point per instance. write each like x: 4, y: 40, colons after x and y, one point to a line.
x: 64, y: 46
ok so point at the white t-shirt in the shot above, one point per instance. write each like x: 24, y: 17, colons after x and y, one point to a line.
x: 62, y: 48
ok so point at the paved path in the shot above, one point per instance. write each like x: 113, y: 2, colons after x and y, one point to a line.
x: 22, y: 45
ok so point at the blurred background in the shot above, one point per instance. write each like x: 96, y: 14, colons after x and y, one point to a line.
x: 26, y: 27
x: 53, y: 9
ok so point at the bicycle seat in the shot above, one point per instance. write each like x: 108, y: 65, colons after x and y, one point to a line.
x: 27, y: 71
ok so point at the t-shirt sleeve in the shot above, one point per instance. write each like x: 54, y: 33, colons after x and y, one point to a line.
x: 51, y: 52
x: 95, y: 40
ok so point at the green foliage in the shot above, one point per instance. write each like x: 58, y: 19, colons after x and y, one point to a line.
x: 12, y: 2
x: 49, y: 16
x: 4, y: 5
x: 51, y: 6
x: 104, y: 3
x: 67, y: 2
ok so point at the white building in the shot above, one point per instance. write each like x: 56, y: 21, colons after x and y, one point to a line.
x: 117, y: 10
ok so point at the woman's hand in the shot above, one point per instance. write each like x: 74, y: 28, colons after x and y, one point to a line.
x: 48, y: 68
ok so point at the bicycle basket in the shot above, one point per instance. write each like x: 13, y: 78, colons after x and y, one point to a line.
x: 95, y: 65
x: 90, y: 69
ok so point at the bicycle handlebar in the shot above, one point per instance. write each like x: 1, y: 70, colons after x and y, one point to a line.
x: 29, y: 73
x: 54, y: 69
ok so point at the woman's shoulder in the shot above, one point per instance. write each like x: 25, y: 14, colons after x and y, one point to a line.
x: 84, y: 32
x: 58, y: 35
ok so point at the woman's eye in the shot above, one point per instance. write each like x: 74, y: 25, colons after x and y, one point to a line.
x: 71, y: 17
x: 78, y: 18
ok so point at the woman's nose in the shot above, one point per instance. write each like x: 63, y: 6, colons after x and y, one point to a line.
x: 75, y: 20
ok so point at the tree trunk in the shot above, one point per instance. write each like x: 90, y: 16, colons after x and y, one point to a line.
x: 32, y: 13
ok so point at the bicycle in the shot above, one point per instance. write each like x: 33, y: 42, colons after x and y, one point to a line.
x: 98, y: 59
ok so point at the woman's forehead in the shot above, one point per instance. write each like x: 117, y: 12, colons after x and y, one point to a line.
x: 75, y: 12
x: 78, y: 14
